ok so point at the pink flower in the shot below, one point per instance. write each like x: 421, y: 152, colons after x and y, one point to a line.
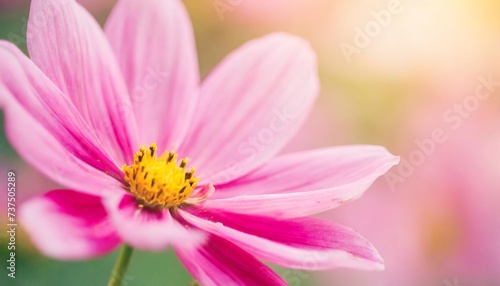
x: 109, y: 114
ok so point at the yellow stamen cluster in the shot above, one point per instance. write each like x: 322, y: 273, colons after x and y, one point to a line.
x: 159, y: 182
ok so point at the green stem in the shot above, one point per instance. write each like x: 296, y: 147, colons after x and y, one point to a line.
x: 121, y: 265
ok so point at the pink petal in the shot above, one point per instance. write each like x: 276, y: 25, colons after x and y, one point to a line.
x: 304, y: 243
x: 219, y: 262
x: 146, y: 229
x: 69, y: 225
x: 25, y: 87
x: 69, y: 46
x: 38, y: 147
x: 200, y: 195
x: 250, y: 106
x: 154, y: 43
x: 305, y: 183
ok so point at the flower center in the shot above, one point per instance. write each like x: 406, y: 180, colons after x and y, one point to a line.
x: 159, y: 182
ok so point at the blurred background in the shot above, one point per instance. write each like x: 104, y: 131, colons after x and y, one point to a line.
x: 420, y: 77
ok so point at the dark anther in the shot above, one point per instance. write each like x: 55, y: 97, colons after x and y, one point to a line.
x: 152, y: 149
x: 170, y: 156
x: 145, y: 175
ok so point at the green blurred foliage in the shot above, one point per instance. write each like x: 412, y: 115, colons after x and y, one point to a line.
x: 6, y: 150
x: 13, y: 27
